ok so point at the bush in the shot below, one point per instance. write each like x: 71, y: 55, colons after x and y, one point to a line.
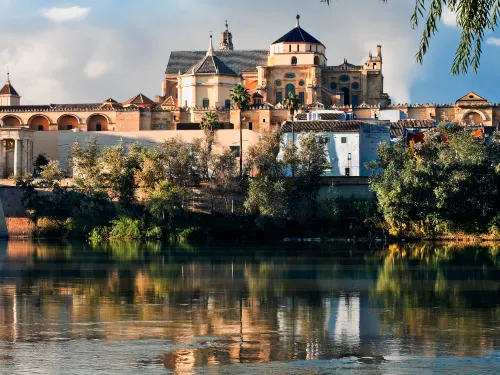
x: 98, y: 234
x: 127, y: 227
x: 192, y: 234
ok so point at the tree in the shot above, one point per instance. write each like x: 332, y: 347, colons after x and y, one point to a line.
x: 166, y: 201
x: 309, y: 162
x: 209, y: 124
x: 292, y: 103
x: 241, y: 98
x: 474, y: 19
x: 84, y: 160
x: 223, y: 182
x: 119, y: 165
x: 51, y: 174
x: 447, y: 184
x: 40, y: 161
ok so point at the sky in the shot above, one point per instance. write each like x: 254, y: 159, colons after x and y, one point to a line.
x: 60, y: 51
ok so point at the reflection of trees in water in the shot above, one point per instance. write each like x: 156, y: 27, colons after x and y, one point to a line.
x: 445, y: 293
x: 266, y: 306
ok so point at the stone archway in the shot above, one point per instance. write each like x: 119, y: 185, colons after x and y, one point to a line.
x: 39, y: 122
x: 471, y: 117
x: 11, y: 121
x: 67, y: 122
x: 97, y: 123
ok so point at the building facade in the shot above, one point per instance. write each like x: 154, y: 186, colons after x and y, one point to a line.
x: 198, y: 81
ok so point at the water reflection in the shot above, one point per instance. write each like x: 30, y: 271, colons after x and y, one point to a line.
x: 184, y: 308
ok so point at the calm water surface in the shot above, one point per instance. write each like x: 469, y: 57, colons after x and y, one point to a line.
x: 127, y: 308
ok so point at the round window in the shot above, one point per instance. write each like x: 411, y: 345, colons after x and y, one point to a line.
x: 344, y: 78
x: 290, y: 76
x: 278, y: 83
x: 301, y: 83
x: 355, y: 85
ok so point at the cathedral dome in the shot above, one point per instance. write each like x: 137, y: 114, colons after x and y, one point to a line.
x: 298, y: 35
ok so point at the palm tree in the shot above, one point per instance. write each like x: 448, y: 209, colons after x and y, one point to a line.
x: 292, y: 103
x: 209, y: 124
x: 241, y: 99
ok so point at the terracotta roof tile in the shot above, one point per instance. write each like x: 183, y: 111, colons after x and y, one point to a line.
x: 8, y: 89
x: 420, y: 124
x: 139, y: 99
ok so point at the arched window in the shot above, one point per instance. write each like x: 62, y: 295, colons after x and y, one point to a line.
x: 294, y: 60
x: 316, y: 60
x: 347, y: 100
x: 290, y: 88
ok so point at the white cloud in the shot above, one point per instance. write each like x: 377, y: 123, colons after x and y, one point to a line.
x: 449, y: 18
x: 97, y: 68
x: 493, y: 41
x: 59, y: 15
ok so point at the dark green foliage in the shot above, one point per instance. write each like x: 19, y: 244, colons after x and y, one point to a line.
x: 450, y: 183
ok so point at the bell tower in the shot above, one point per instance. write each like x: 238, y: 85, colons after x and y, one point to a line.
x: 226, y: 40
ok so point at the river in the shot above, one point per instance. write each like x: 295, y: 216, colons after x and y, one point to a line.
x: 132, y: 308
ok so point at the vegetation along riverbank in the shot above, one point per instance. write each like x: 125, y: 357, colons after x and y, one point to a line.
x: 447, y: 186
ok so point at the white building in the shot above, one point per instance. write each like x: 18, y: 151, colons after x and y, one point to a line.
x: 348, y: 144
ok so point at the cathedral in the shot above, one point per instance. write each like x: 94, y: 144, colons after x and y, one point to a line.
x: 295, y: 63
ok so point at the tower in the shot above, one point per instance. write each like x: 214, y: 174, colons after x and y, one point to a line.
x: 226, y: 40
x: 8, y: 94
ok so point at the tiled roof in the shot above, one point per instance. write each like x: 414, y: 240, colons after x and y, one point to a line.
x: 86, y: 107
x: 298, y: 35
x: 238, y: 61
x: 420, y: 124
x: 139, y: 99
x: 397, y: 130
x: 8, y: 89
x: 211, y: 65
x: 322, y: 126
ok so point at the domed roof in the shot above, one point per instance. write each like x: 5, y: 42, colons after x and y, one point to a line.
x: 298, y: 35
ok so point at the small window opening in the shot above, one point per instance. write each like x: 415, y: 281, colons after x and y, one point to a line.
x: 343, y: 140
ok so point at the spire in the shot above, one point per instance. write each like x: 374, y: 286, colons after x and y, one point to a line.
x: 210, y: 47
x: 227, y: 26
x: 8, y: 77
x: 298, y: 20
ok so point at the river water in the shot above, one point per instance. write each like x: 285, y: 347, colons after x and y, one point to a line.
x: 131, y: 308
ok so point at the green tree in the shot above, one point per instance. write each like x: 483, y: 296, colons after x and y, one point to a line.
x: 309, y: 161
x: 448, y: 183
x: 51, y: 174
x: 292, y: 104
x: 474, y: 19
x: 241, y: 99
x: 119, y: 165
x: 210, y: 123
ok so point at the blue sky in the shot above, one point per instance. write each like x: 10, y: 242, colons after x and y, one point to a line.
x: 89, y: 50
